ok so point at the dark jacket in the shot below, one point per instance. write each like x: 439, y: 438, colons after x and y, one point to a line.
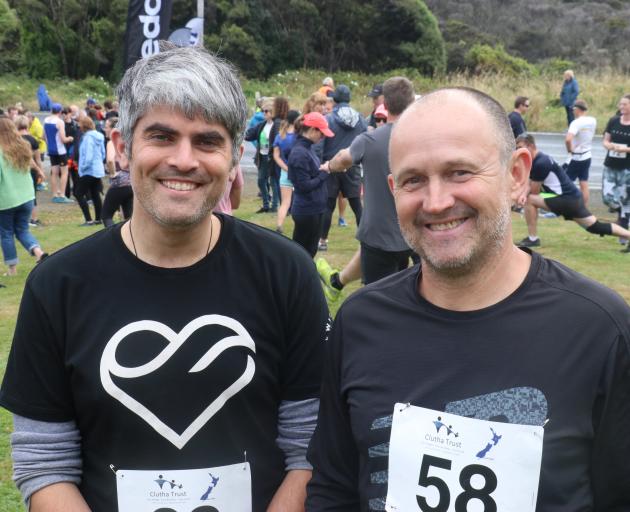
x: 346, y: 123
x: 569, y: 93
x: 310, y: 193
x: 253, y: 135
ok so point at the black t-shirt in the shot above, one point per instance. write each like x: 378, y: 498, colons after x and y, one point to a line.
x: 554, y: 178
x: 95, y: 293
x: 517, y: 123
x: 556, y: 349
x: 619, y: 134
x: 34, y: 146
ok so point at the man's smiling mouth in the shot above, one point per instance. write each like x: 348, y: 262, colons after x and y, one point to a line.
x: 183, y: 186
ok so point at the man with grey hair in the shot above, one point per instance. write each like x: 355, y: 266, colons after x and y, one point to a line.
x: 490, y: 375
x: 139, y: 377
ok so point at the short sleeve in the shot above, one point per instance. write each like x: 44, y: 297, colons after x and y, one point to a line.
x: 276, y: 141
x: 357, y: 148
x: 332, y: 451
x: 540, y: 171
x: 35, y: 383
x: 307, y: 329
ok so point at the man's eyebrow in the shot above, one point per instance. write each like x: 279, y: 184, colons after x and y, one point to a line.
x: 159, y: 127
x: 214, y: 135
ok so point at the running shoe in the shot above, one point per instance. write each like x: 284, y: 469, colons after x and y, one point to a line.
x: 325, y: 272
x: 264, y: 209
x: 626, y: 249
x: 66, y: 200
x: 342, y: 223
x: 526, y: 242
x: 322, y: 246
x: 57, y: 199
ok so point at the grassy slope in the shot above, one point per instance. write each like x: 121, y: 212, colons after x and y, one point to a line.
x: 602, y: 91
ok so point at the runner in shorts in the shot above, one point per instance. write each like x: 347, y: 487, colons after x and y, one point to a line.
x: 551, y: 188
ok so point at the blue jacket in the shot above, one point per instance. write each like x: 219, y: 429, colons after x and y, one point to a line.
x: 346, y: 123
x: 310, y: 192
x: 92, y: 154
x: 569, y: 93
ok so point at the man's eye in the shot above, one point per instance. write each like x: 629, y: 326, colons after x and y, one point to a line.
x: 159, y: 137
x: 411, y: 183
x: 461, y: 174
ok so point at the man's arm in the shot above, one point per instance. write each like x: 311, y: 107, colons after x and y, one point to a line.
x: 61, y: 497
x: 610, y: 471
x: 568, y: 142
x: 333, y: 451
x: 62, y: 132
x: 291, y: 494
x: 341, y: 161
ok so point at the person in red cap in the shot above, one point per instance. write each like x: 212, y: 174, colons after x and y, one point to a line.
x: 309, y: 181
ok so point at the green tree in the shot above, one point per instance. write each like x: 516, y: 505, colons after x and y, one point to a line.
x: 10, y: 48
x: 411, y: 38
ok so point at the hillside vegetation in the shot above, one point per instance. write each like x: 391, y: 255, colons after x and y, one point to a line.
x: 601, y: 90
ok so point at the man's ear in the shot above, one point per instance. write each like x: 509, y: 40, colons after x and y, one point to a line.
x: 520, y: 165
x: 390, y: 182
x: 121, y: 149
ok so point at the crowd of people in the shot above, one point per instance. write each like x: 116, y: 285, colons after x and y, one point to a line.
x: 552, y: 184
x: 217, y: 380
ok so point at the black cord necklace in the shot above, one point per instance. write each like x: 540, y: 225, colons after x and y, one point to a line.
x: 133, y: 243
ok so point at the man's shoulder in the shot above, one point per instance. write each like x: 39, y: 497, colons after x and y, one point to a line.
x: 398, y: 288
x: 574, y: 289
x: 270, y: 244
x: 77, y: 258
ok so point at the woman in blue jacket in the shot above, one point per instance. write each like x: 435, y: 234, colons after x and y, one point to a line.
x: 310, y: 194
x: 91, y: 170
x: 569, y: 94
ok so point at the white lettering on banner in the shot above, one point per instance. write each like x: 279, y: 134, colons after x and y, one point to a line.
x: 150, y: 27
x: 149, y: 47
x: 152, y: 10
x: 441, y: 462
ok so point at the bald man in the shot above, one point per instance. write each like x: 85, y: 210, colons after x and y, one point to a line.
x: 491, y: 375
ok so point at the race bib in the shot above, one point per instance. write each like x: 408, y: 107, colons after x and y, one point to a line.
x: 618, y: 154
x: 221, y: 489
x: 440, y: 462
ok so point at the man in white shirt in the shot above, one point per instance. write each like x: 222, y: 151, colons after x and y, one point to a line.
x: 578, y: 142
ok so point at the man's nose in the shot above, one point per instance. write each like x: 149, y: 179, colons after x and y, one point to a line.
x: 437, y: 197
x: 184, y: 157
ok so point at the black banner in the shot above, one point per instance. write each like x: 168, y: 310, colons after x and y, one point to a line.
x: 148, y: 21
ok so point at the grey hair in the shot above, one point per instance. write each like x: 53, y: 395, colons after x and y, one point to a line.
x: 189, y: 80
x: 495, y: 112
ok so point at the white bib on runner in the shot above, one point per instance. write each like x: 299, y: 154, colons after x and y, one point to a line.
x: 440, y: 462
x: 618, y: 154
x: 221, y: 489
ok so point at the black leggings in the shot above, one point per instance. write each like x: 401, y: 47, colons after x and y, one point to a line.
x: 92, y: 186
x: 116, y: 198
x: 355, y: 204
x: 306, y: 231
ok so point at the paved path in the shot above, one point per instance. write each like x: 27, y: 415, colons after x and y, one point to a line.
x: 550, y: 143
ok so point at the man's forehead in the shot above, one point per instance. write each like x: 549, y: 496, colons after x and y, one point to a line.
x: 168, y: 116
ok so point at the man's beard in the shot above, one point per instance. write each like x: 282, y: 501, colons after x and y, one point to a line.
x: 490, y: 234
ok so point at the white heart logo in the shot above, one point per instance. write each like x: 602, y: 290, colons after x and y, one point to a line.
x: 110, y: 366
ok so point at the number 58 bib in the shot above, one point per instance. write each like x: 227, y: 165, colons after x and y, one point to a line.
x: 440, y: 462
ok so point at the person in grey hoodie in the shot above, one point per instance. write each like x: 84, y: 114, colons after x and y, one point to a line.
x: 346, y: 123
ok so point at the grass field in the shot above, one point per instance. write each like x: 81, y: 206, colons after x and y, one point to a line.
x: 564, y: 241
